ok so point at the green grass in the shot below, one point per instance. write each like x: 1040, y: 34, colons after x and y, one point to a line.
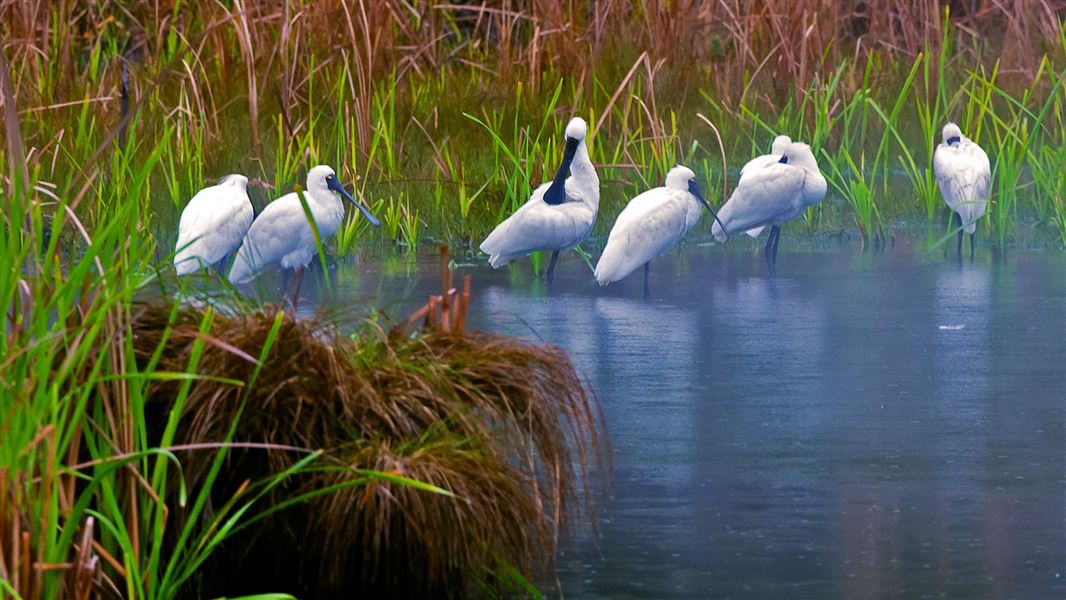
x: 75, y: 449
x: 440, y: 163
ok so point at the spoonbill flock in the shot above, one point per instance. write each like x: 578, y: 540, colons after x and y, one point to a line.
x: 284, y: 233
x: 773, y: 189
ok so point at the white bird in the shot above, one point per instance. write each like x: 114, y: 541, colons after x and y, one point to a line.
x: 777, y: 148
x: 964, y: 175
x: 213, y: 224
x: 558, y: 216
x: 650, y: 225
x: 282, y: 232
x: 772, y: 193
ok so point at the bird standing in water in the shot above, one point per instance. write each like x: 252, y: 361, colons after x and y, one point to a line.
x: 558, y: 216
x: 964, y: 176
x: 650, y: 225
x: 777, y: 148
x: 283, y: 234
x: 213, y: 224
x: 772, y: 192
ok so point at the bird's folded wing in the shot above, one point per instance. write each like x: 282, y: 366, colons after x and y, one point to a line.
x: 763, y: 195
x: 213, y: 213
x: 963, y: 174
x: 548, y: 227
x: 280, y: 229
x: 648, y: 226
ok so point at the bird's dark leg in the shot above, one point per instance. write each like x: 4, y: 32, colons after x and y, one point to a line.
x: 293, y: 291
x: 647, y: 288
x: 777, y: 242
x: 971, y: 245
x: 769, y: 249
x: 958, y: 246
x: 551, y: 267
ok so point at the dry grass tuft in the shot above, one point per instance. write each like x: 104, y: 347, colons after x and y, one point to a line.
x: 505, y: 425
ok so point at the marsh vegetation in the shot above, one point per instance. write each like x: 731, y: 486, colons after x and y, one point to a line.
x: 441, y: 117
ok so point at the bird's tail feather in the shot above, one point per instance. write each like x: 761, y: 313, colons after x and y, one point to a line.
x: 242, y: 271
x: 609, y: 267
x: 492, y: 244
x: 499, y: 260
x: 186, y: 265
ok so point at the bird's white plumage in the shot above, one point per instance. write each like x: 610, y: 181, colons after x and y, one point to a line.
x: 537, y: 225
x: 777, y: 148
x: 282, y: 234
x: 649, y: 226
x: 964, y: 176
x: 772, y: 192
x: 213, y: 224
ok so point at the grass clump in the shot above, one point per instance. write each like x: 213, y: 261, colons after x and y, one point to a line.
x: 501, y: 434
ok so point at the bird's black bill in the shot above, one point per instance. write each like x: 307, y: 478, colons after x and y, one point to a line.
x: 784, y: 160
x: 954, y: 140
x: 556, y: 193
x: 694, y: 189
x: 336, y: 186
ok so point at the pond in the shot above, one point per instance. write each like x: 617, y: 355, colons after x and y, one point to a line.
x: 863, y: 425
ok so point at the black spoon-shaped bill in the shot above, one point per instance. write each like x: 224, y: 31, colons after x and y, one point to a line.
x: 333, y: 184
x: 694, y: 189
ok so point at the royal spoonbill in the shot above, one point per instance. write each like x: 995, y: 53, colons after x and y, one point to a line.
x: 650, y: 225
x: 777, y: 148
x: 213, y: 224
x: 772, y: 193
x: 283, y: 234
x: 558, y: 216
x: 963, y: 175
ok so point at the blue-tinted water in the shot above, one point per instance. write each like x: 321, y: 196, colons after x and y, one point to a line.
x: 864, y: 425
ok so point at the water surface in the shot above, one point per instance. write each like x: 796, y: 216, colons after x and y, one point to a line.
x: 864, y: 425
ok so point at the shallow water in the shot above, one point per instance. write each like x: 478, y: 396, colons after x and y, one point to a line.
x: 864, y: 425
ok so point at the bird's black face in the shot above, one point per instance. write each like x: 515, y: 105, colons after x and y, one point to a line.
x: 556, y: 192
x: 334, y: 185
x: 954, y: 141
x: 694, y: 189
x: 784, y: 159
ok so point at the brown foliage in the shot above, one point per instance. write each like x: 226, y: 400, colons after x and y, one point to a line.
x: 717, y: 44
x: 505, y: 425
